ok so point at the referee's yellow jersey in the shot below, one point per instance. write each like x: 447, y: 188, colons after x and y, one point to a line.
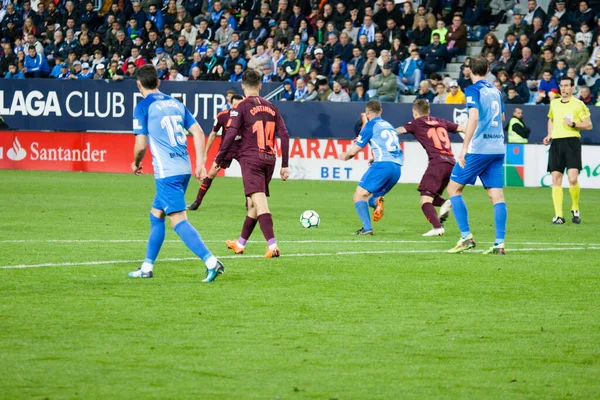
x: 575, y: 109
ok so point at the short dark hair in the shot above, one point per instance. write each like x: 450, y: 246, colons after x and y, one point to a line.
x: 148, y: 76
x: 479, y: 66
x: 421, y: 107
x: 374, y: 106
x: 237, y: 97
x: 251, y: 78
x: 568, y: 78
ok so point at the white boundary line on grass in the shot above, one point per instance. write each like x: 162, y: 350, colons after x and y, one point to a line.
x: 338, y: 253
x: 16, y: 241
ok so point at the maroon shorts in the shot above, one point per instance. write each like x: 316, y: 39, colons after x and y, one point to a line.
x: 230, y: 156
x: 256, y: 175
x: 435, y: 179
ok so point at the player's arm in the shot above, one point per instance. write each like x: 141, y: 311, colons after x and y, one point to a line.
x: 198, y: 134
x: 469, y: 132
x: 284, y: 137
x: 140, y: 130
x: 401, y: 130
x: 232, y: 133
x: 361, y: 141
x: 209, y: 142
x: 586, y: 120
x: 139, y: 151
x: 548, y: 137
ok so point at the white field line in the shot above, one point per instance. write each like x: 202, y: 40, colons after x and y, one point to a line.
x: 287, y: 241
x: 338, y: 253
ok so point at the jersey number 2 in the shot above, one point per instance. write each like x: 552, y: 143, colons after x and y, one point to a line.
x: 265, y: 134
x: 172, y: 124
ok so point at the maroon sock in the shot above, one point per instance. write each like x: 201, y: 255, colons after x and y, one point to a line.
x: 203, y: 189
x: 438, y: 201
x: 266, y: 226
x: 431, y: 215
x: 247, y: 228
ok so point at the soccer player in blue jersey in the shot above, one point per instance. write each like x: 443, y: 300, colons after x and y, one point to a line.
x: 160, y: 121
x: 482, y: 156
x: 385, y: 168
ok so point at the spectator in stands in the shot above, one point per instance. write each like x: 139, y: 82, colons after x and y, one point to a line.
x: 518, y: 28
x: 534, y: 11
x: 7, y: 58
x: 411, y: 72
x: 464, y: 81
x: 586, y: 95
x: 547, y: 88
x: 584, y: 36
x: 321, y: 63
x: 291, y: 64
x: 408, y: 19
x: 590, y: 79
x: 424, y: 92
x: 357, y: 59
x: 521, y: 86
x: 86, y: 72
x: 100, y: 72
x: 14, y: 73
x: 583, y: 15
x: 368, y: 29
x: 565, y: 48
x: 505, y: 63
x: 580, y: 56
x: 490, y: 45
x: 572, y: 73
x: 155, y: 15
x: 385, y: 85
x: 370, y: 68
x: 311, y: 93
x: 456, y: 37
x: 301, y: 90
x: 280, y: 76
x: 441, y: 93
x: 440, y: 30
x: 560, y: 70
x: 353, y: 78
x: 337, y: 76
x: 351, y: 31
x: 389, y: 11
x: 526, y: 65
x: 288, y: 90
x: 456, y: 95
x: 391, y: 32
x: 35, y: 65
x: 360, y: 95
x: 512, y: 45
x: 546, y: 62
x: 324, y: 90
x: 434, y: 55
x: 421, y: 36
x: 338, y: 95
x: 498, y: 9
x: 380, y: 44
x: 513, y: 96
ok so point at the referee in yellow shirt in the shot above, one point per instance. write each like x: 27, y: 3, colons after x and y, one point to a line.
x: 567, y: 116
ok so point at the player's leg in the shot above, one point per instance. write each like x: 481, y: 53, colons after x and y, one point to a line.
x: 439, y: 201
x: 265, y: 221
x: 460, y: 178
x: 556, y: 166
x: 239, y: 245
x: 574, y: 165
x: 361, y: 196
x: 574, y: 191
x: 428, y: 188
x: 493, y: 180
x: 204, y: 186
x: 391, y: 173
x: 175, y: 198
x: 156, y: 239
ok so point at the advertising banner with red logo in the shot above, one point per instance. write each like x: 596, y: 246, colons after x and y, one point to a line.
x: 76, y: 151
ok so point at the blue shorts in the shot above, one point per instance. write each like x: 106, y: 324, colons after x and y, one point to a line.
x: 380, y: 178
x: 170, y: 193
x: 488, y: 167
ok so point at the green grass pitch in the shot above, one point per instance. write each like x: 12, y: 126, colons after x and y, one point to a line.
x: 336, y: 317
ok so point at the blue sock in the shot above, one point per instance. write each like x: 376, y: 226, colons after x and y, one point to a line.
x: 192, y: 240
x: 156, y: 238
x: 362, y: 209
x: 500, y: 214
x: 372, y: 201
x: 459, y: 209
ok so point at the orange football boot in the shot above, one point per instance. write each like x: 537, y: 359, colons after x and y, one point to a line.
x: 232, y: 245
x: 272, y: 253
x: 378, y: 213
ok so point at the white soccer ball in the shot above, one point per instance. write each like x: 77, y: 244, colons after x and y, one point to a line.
x: 310, y: 219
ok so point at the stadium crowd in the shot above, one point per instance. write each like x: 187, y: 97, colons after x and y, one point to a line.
x: 321, y: 50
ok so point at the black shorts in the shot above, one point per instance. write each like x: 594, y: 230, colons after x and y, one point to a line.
x: 565, y: 154
x: 435, y: 179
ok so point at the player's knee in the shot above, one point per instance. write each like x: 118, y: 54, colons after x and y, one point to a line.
x: 361, y: 196
x: 573, y: 179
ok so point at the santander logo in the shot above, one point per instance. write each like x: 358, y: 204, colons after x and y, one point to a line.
x: 16, y: 152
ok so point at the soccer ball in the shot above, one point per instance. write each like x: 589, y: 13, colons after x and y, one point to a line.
x: 310, y: 219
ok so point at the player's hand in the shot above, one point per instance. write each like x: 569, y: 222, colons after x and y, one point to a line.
x: 371, y: 160
x: 344, y: 156
x: 137, y: 169
x: 462, y: 158
x: 200, y: 173
x: 285, y: 174
x: 547, y: 140
x: 568, y: 121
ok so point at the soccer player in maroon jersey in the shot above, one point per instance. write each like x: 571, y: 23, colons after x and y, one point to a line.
x: 432, y: 133
x: 221, y: 123
x: 256, y: 120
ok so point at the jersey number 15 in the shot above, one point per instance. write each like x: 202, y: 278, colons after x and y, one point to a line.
x: 172, y: 124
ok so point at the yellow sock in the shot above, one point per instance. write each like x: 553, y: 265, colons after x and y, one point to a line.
x: 574, y: 191
x: 557, y: 199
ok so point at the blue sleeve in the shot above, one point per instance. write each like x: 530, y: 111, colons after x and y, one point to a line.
x: 472, y: 96
x: 140, y: 120
x: 189, y: 119
x: 365, y: 135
